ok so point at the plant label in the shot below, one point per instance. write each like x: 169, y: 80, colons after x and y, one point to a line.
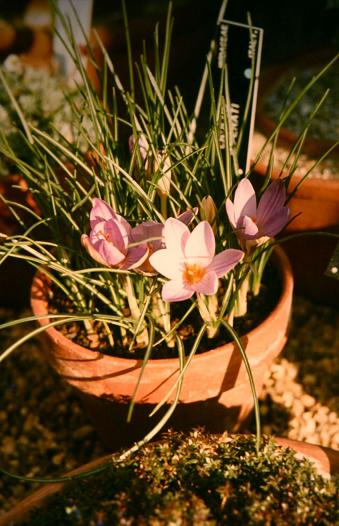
x: 239, y: 48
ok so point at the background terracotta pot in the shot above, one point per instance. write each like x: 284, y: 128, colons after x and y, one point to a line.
x: 316, y: 202
x: 325, y: 460
x: 15, y: 275
x: 215, y: 391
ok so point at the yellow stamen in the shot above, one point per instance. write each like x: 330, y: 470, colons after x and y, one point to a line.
x: 193, y: 273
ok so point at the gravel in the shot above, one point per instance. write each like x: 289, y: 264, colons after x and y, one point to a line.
x: 327, y: 169
x: 44, y: 432
x: 325, y: 123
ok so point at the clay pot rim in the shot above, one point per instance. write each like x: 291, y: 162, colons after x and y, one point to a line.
x: 38, y: 306
x: 310, y: 183
x: 325, y: 460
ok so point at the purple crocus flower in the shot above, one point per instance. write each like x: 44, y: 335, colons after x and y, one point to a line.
x: 109, y: 238
x: 252, y: 222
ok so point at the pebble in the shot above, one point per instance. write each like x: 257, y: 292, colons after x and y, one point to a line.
x: 332, y: 417
x: 8, y: 446
x: 298, y: 408
x: 308, y: 401
x: 57, y: 459
x: 83, y: 432
x: 309, y: 425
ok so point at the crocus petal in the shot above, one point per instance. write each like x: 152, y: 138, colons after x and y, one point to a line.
x: 124, y: 226
x: 247, y: 228
x: 208, y: 284
x: 86, y: 243
x: 149, y: 232
x: 187, y: 217
x: 226, y: 260
x: 200, y: 246
x: 175, y: 290
x: 230, y: 213
x: 175, y: 235
x: 245, y: 202
x: 167, y: 263
x: 136, y: 256
x: 276, y: 223
x: 271, y: 201
x: 109, y: 253
x: 116, y: 235
x: 101, y: 210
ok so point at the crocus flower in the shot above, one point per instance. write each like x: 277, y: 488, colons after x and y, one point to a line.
x: 109, y: 238
x: 189, y: 260
x: 252, y: 222
x: 151, y: 232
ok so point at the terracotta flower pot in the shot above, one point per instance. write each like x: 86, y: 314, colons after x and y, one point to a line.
x: 14, y: 292
x: 215, y: 390
x: 316, y: 202
x: 325, y: 460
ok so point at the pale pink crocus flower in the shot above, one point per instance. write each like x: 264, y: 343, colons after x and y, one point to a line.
x: 258, y: 223
x: 151, y: 232
x: 108, y: 241
x: 189, y: 261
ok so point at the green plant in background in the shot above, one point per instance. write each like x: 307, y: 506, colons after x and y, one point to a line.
x: 43, y: 100
x: 152, y: 223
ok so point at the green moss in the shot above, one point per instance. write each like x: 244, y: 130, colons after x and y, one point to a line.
x: 198, y: 480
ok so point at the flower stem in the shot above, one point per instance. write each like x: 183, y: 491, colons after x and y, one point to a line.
x: 142, y: 336
x: 251, y: 380
x: 165, y: 313
x: 240, y: 308
x: 208, y: 306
